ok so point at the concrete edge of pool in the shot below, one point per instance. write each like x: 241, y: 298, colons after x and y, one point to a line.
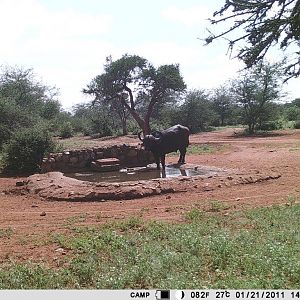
x: 57, y: 187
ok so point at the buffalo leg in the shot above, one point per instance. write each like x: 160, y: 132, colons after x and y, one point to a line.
x: 163, y: 161
x: 157, y: 160
x: 182, y: 156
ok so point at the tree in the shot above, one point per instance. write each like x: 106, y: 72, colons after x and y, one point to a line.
x: 265, y: 23
x: 24, y: 101
x: 97, y: 119
x: 222, y: 103
x: 255, y: 91
x: 21, y: 87
x: 131, y: 79
x: 12, y: 118
x: 296, y: 102
x: 118, y: 108
x: 50, y: 109
x: 196, y: 112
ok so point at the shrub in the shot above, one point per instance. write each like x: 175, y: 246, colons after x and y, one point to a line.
x: 66, y: 130
x: 271, y: 125
x: 23, y: 153
x: 133, y: 127
x: 5, y: 133
x: 297, y: 124
x: 102, y: 127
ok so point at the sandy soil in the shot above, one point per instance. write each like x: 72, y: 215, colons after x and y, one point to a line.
x: 29, y: 223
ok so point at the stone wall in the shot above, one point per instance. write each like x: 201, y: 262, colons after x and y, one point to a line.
x: 79, y: 160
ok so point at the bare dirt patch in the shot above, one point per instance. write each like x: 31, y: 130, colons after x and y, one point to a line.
x: 29, y: 223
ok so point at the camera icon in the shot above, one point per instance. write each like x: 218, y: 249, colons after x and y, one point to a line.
x: 162, y: 295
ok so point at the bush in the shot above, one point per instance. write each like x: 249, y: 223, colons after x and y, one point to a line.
x: 297, y: 124
x: 5, y: 133
x: 271, y: 125
x: 66, y: 130
x: 102, y: 127
x: 24, y: 152
x: 133, y: 127
x: 12, y: 118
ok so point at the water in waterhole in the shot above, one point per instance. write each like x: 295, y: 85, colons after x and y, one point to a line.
x: 138, y: 173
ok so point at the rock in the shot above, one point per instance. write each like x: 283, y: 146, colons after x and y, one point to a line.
x: 184, y: 178
x: 34, y: 205
x: 99, y: 155
x: 61, y: 251
x: 107, y: 161
x: 106, y: 164
x: 74, y: 160
x: 43, y: 214
x: 207, y: 188
x: 20, y: 183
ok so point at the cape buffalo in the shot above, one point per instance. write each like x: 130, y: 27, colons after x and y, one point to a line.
x: 169, y: 140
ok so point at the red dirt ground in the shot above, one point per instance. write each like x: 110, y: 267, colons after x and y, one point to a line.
x: 28, y: 223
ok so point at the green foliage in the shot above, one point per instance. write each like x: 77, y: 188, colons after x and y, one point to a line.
x: 21, y: 88
x: 95, y: 120
x: 223, y: 104
x: 196, y: 112
x: 271, y: 125
x: 101, y: 125
x: 12, y: 118
x: 6, y: 232
x: 264, y: 24
x: 24, y: 102
x: 50, y: 109
x: 256, y: 249
x: 66, y: 130
x: 256, y: 91
x: 296, y: 102
x: 297, y: 124
x: 133, y: 127
x: 23, y: 153
x: 292, y: 113
x: 194, y: 215
x: 131, y: 82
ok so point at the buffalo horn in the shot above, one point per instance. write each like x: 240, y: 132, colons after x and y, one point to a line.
x: 139, y: 135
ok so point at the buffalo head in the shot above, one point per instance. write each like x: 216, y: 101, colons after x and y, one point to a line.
x: 150, y: 141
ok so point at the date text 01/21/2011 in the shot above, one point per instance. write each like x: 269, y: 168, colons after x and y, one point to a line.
x: 281, y: 294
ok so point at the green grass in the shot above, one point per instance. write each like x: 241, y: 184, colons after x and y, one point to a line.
x: 248, y: 250
x: 77, y: 142
x: 197, y: 149
x: 1, y: 162
x: 6, y: 232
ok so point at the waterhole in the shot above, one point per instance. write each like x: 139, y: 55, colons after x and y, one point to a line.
x: 138, y: 173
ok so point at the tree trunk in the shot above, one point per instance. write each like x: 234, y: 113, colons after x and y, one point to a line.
x: 146, y: 128
x: 222, y: 120
x: 251, y: 128
x: 124, y: 126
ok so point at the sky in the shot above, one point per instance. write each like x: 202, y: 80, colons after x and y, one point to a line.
x: 66, y: 42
